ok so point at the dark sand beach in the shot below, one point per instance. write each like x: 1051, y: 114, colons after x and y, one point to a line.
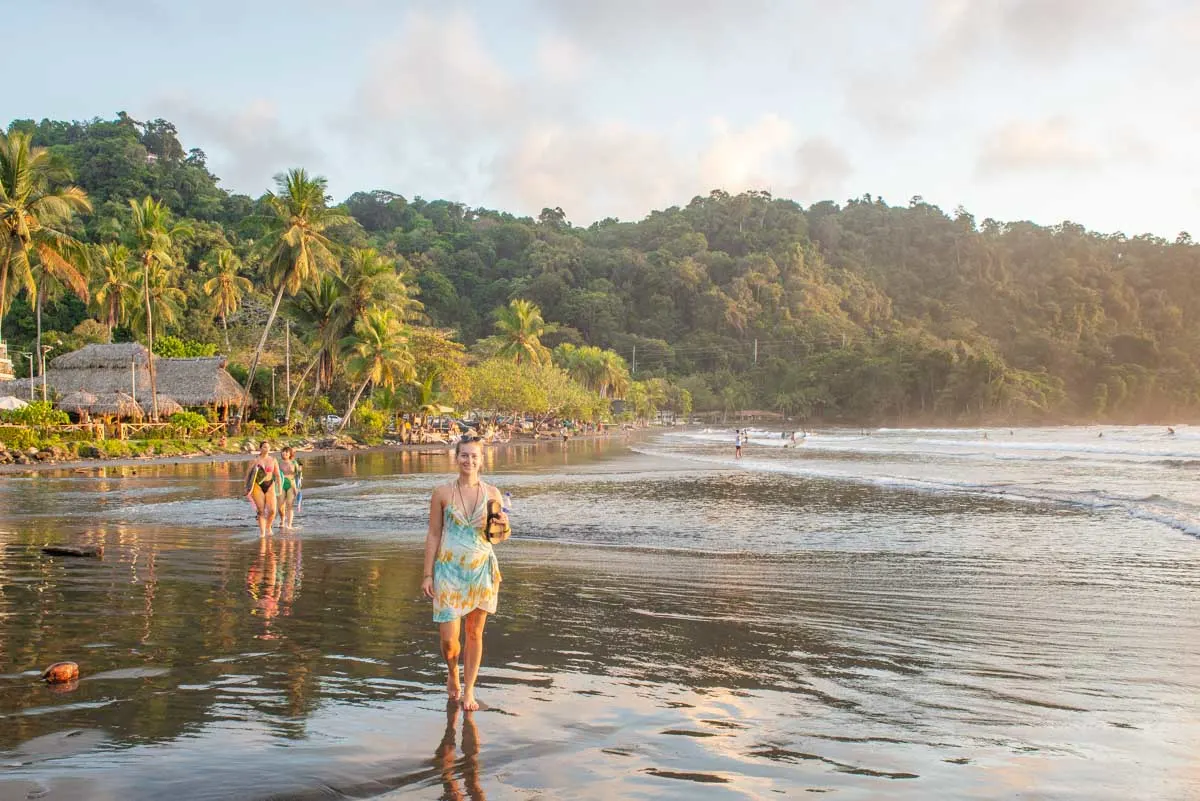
x: 670, y: 626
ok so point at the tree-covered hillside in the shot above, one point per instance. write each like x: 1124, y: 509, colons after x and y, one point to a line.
x: 864, y: 311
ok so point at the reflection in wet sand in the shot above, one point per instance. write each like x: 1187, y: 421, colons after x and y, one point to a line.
x: 273, y: 580
x: 460, y: 777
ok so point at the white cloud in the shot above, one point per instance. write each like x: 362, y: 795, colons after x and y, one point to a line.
x: 744, y: 158
x: 560, y: 59
x: 1039, y: 145
x: 822, y: 169
x: 246, y: 147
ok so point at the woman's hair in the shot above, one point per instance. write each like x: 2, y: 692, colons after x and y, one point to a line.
x: 288, y: 451
x: 468, y: 440
x: 264, y: 444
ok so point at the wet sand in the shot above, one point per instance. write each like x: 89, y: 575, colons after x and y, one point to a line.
x: 219, y: 666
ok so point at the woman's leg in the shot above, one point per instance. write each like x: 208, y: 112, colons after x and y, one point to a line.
x: 270, y: 510
x: 450, y: 651
x: 285, y: 511
x: 473, y: 655
x: 260, y: 508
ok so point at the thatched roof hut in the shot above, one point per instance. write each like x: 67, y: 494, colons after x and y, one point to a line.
x: 117, y: 404
x: 167, y: 405
x: 79, y: 402
x: 116, y: 356
x: 202, y: 381
x: 124, y: 367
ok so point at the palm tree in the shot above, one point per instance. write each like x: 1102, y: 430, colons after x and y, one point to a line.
x: 369, y: 279
x: 167, y: 300
x: 615, y: 380
x: 297, y: 249
x: 226, y: 287
x: 313, y: 311
x: 113, y: 286
x: 154, y: 237
x: 379, y: 354
x: 53, y: 262
x: 520, y: 328
x: 33, y: 212
x: 429, y: 395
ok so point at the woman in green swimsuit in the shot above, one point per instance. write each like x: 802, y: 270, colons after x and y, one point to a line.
x: 293, y: 476
x: 263, y: 488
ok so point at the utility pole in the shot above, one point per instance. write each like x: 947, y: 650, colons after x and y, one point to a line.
x: 272, y: 387
x: 287, y: 357
x: 634, y: 370
x: 756, y: 350
x: 133, y: 382
x: 29, y: 356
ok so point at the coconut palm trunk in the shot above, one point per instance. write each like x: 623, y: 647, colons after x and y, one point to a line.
x: 41, y: 353
x: 4, y: 288
x: 353, y: 403
x: 262, y: 343
x: 150, y: 348
x: 287, y: 415
x: 225, y: 329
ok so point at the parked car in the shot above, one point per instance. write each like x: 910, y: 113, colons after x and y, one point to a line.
x: 331, y: 421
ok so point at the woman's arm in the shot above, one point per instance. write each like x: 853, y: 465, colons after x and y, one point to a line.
x: 433, y: 540
x: 278, y: 482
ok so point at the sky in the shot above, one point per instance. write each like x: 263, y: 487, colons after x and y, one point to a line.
x: 1042, y: 110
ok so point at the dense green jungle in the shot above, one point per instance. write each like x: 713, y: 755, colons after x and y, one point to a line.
x: 855, y: 312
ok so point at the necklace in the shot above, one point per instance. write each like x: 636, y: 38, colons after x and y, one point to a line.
x: 468, y: 514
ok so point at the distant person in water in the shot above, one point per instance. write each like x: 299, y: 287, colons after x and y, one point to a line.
x: 737, y: 443
x: 1170, y: 431
x: 263, y: 488
x: 462, y: 576
x: 291, y: 476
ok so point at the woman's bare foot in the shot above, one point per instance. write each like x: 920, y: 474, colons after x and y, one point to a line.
x: 453, y: 688
x: 468, y: 702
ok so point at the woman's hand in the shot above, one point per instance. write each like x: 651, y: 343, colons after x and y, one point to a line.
x: 499, y: 529
x: 427, y: 587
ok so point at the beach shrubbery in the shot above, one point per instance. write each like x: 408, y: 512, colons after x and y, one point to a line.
x: 185, y: 423
x: 369, y: 421
x: 37, y: 413
x: 19, y: 439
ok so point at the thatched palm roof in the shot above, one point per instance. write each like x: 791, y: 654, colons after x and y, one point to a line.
x: 202, y: 381
x: 102, y: 369
x: 103, y: 357
x: 167, y: 405
x: 117, y: 404
x: 77, y: 402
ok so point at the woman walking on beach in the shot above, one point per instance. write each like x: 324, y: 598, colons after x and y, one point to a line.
x: 291, y: 475
x: 263, y: 488
x: 461, y: 573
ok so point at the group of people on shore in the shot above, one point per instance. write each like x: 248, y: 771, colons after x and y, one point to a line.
x: 741, y: 436
x: 275, y: 488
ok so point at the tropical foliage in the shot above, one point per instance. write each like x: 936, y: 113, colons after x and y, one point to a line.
x: 842, y: 312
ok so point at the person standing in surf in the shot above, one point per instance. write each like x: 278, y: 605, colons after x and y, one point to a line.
x: 291, y: 476
x: 737, y: 444
x: 263, y: 488
x: 462, y: 576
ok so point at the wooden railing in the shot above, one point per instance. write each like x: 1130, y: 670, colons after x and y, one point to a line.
x: 100, y: 431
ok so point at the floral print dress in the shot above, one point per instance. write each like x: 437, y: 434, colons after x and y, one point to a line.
x: 466, y: 575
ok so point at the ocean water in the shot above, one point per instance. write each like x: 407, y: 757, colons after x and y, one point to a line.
x: 872, y: 614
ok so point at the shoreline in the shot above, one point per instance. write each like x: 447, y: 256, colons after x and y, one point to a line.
x: 93, y: 464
